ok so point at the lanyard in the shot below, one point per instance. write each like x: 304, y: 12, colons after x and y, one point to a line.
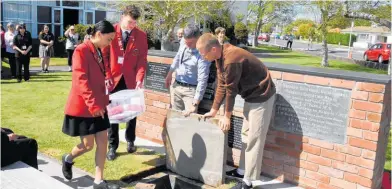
x: 100, y: 60
x: 120, y: 42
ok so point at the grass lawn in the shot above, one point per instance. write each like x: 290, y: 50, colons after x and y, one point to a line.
x: 35, y: 109
x: 36, y: 62
x: 388, y: 165
x: 298, y: 58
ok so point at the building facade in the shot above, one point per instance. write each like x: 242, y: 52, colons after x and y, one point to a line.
x: 56, y: 14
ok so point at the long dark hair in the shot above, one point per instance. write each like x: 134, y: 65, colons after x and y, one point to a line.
x: 102, y: 26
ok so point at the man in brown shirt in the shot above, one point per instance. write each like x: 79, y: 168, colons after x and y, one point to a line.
x: 240, y: 72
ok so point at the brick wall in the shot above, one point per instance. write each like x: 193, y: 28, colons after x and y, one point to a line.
x: 310, y: 162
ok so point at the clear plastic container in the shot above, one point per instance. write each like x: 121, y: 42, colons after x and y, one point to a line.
x: 126, y: 105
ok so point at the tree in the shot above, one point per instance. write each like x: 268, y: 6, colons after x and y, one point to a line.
x: 164, y: 16
x: 241, y: 32
x: 267, y: 28
x: 289, y: 29
x: 327, y: 9
x: 306, y: 30
x: 265, y: 11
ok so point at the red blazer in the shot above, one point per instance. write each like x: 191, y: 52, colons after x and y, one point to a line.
x: 88, y: 92
x: 135, y: 57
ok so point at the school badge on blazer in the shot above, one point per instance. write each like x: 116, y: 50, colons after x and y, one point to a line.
x: 135, y: 52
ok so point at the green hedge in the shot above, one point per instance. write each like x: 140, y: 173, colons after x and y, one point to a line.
x: 343, y: 39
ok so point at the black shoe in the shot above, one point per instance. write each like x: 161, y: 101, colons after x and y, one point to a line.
x: 233, y: 173
x: 105, y: 185
x: 131, y: 148
x: 242, y: 185
x: 46, y: 71
x: 111, y: 155
x: 67, y: 168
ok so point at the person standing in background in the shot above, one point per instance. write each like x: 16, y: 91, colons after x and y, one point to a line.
x: 127, y: 55
x: 9, y: 42
x: 221, y: 35
x: 71, y: 43
x: 46, y: 40
x: 3, y: 46
x: 22, y: 46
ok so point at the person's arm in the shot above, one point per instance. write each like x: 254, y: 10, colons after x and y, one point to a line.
x: 173, y: 67
x: 51, y: 41
x: 142, y: 61
x: 233, y: 76
x: 29, y: 44
x: 16, y: 43
x: 81, y: 71
x: 203, y: 68
x: 67, y: 32
x: 42, y: 40
x: 220, y: 91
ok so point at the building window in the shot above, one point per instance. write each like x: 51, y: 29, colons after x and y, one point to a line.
x: 15, y: 12
x: 100, y: 15
x: 44, y: 17
x: 89, y: 18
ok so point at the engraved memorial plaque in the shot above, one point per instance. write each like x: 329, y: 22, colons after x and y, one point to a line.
x: 319, y: 112
x: 155, y: 77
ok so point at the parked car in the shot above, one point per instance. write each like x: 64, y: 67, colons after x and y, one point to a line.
x: 264, y: 37
x: 378, y: 52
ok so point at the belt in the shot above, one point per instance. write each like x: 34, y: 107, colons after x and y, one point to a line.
x: 185, y: 84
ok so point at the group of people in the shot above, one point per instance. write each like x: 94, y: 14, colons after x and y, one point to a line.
x: 238, y: 72
x: 17, y: 44
x: 114, y: 58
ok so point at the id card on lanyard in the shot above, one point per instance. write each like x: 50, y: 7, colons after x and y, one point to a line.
x: 120, y: 59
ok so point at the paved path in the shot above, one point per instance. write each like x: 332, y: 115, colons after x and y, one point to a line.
x: 52, y: 167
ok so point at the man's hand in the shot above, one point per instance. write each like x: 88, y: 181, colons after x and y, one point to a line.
x: 24, y: 52
x: 210, y: 114
x: 192, y: 109
x: 224, y: 124
x: 109, y: 84
x: 139, y: 85
x: 12, y: 136
x: 99, y: 113
x: 168, y: 80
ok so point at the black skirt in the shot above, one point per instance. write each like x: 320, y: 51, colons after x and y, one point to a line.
x: 83, y: 126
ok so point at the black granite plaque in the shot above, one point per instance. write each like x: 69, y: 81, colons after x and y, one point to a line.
x: 210, y: 90
x: 234, y: 135
x: 155, y: 77
x: 311, y: 110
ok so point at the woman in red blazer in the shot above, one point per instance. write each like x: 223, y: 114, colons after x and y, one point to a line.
x: 85, y: 111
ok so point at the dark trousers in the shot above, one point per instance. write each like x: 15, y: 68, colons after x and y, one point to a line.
x: 21, y: 149
x: 25, y: 62
x: 289, y: 43
x: 130, y: 132
x: 11, y: 61
x: 70, y: 53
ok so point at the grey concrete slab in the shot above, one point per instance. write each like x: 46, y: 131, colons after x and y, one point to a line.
x: 21, y: 176
x: 195, y: 148
x: 52, y: 167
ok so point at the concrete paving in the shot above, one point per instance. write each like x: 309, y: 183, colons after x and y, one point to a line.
x: 52, y: 167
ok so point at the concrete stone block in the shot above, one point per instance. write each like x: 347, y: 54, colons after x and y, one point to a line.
x: 195, y: 148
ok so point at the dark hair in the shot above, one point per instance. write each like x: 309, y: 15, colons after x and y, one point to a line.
x: 102, y: 26
x: 191, y: 31
x: 132, y: 11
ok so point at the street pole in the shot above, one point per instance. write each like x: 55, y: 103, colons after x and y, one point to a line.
x: 349, y: 44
